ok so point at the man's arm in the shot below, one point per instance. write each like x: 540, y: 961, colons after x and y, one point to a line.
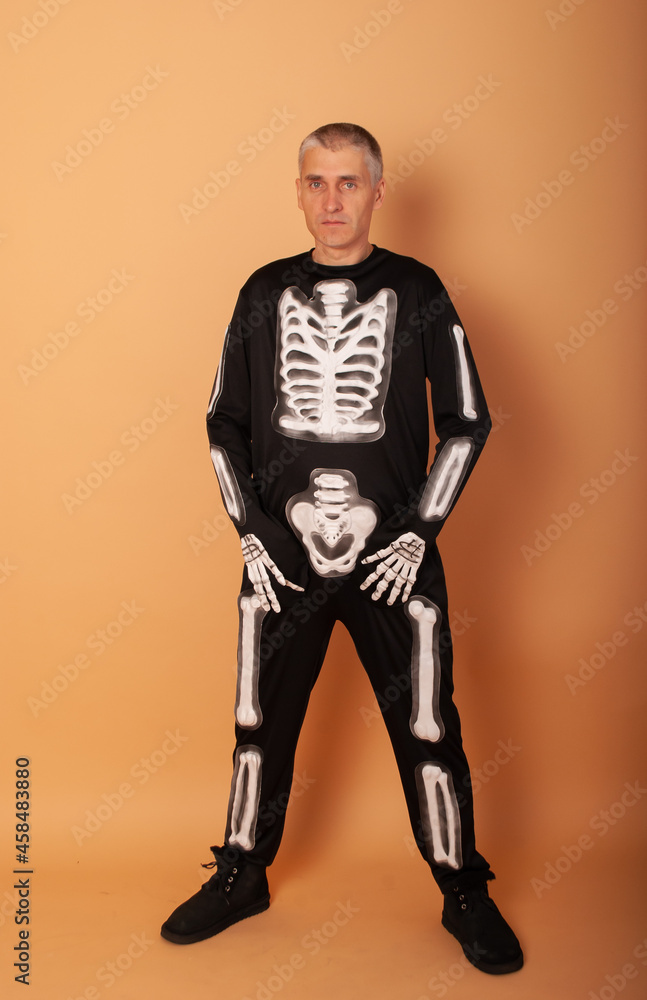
x: 229, y: 426
x: 462, y: 424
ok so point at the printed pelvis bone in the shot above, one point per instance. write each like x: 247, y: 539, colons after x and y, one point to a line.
x: 332, y: 521
x: 333, y: 362
x: 425, y: 722
x: 251, y: 615
x: 245, y: 793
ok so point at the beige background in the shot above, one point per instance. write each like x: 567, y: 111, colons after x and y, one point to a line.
x: 77, y: 380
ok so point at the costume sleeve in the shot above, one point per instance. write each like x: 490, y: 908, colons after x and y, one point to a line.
x: 229, y: 427
x: 461, y: 421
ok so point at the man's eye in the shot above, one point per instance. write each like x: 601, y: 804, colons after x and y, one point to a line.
x: 315, y: 184
x: 349, y: 184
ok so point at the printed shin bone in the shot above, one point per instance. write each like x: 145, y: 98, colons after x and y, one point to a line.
x: 445, y: 831
x: 243, y: 815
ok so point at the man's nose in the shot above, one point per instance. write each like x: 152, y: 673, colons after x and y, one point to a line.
x: 332, y: 201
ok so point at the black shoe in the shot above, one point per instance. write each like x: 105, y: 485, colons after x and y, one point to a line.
x: 488, y: 942
x: 238, y: 889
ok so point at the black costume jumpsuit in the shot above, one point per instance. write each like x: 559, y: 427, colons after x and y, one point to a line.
x: 319, y: 431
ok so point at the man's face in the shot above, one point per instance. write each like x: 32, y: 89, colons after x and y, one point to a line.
x: 337, y: 197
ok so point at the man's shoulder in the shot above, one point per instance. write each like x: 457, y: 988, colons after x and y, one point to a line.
x: 412, y: 267
x: 284, y: 271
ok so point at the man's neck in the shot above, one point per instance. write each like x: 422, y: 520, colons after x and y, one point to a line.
x: 340, y: 257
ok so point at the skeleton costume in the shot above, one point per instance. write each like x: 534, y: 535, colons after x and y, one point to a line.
x: 319, y: 432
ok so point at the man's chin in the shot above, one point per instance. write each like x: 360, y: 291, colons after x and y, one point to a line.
x: 334, y: 237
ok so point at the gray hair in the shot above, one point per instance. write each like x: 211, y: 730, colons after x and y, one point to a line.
x: 339, y: 134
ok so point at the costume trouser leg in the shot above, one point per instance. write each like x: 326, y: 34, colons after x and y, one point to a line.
x: 400, y: 647
x: 406, y: 651
x: 290, y: 646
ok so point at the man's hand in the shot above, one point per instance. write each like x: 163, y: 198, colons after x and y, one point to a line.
x: 257, y: 559
x: 400, y: 562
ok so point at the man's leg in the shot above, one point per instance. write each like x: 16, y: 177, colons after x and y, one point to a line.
x: 289, y: 650
x: 408, y: 659
x: 279, y: 658
x: 407, y: 653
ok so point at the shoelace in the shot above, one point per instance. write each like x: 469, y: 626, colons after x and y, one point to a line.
x: 222, y: 879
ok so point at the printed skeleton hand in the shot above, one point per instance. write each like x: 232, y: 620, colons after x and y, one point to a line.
x: 257, y: 559
x: 400, y: 562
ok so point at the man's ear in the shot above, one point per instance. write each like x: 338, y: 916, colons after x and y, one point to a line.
x: 298, y: 184
x: 380, y: 191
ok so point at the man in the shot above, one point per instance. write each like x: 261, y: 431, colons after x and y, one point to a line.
x: 318, y: 424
